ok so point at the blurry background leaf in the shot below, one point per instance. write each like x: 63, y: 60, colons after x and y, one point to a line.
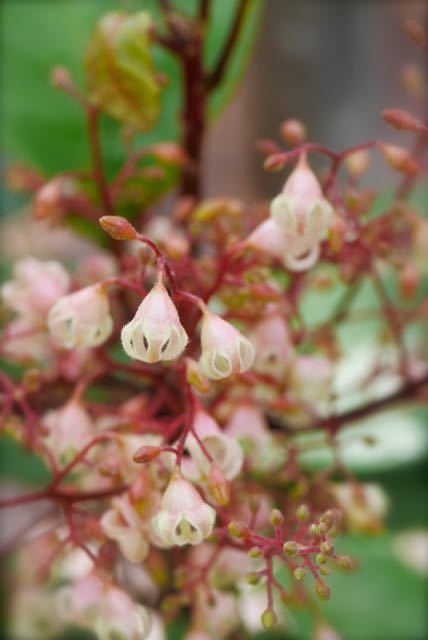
x: 120, y: 74
x: 44, y: 127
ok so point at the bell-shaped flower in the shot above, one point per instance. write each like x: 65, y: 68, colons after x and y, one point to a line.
x: 123, y: 524
x: 70, y: 429
x: 121, y: 618
x: 35, y: 287
x: 304, y: 215
x: 269, y: 238
x: 217, y: 611
x: 155, y: 333
x: 271, y: 338
x: 248, y: 425
x: 184, y: 517
x: 81, y: 319
x: 224, y: 350
x: 225, y: 451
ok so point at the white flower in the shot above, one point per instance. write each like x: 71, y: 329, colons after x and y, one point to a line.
x: 225, y: 451
x: 81, y: 319
x: 269, y: 238
x: 122, y: 523
x: 70, y: 429
x: 36, y: 285
x: 224, y: 350
x: 364, y: 506
x: 303, y: 215
x: 184, y: 518
x: 120, y: 618
x: 155, y: 333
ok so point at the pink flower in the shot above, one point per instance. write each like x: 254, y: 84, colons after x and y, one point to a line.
x: 269, y: 238
x: 123, y: 524
x: 70, y: 429
x: 271, y: 338
x: 184, y: 518
x: 35, y: 287
x: 303, y: 215
x: 81, y: 319
x: 224, y: 350
x: 224, y: 450
x: 155, y: 333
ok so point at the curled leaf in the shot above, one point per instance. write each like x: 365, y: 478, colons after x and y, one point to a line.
x: 121, y: 77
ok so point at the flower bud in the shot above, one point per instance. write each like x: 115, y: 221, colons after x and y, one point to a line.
x: 399, y: 159
x: 401, y: 120
x: 219, y: 486
x: 253, y: 579
x: 255, y: 553
x: 415, y: 31
x: 122, y: 524
x: 169, y: 153
x: 412, y: 80
x: 269, y: 618
x: 60, y: 78
x: 345, y: 562
x: 272, y: 342
x: 276, y: 518
x: 225, y: 451
x: 184, y: 518
x: 238, y: 529
x: 224, y: 350
x: 304, y: 216
x: 299, y: 573
x: 357, y: 163
x: 336, y: 236
x: 155, y: 333
x: 302, y: 513
x: 81, y: 319
x: 293, y: 132
x: 118, y: 227
x: 291, y: 548
x: 147, y: 453
x: 321, y: 589
x: 36, y: 285
x: 275, y: 162
x: 48, y: 200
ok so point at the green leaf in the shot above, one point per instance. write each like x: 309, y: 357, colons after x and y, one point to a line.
x: 119, y: 69
x: 45, y: 128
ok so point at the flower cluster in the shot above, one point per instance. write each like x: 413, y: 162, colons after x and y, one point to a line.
x: 176, y: 382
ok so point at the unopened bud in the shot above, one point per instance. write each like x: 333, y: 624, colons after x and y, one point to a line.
x: 255, y: 552
x: 302, y: 513
x: 276, y: 518
x: 345, y: 562
x: 299, y: 573
x: 118, y: 228
x: 253, y: 579
x: 293, y: 132
x: 336, y: 234
x: 147, y: 453
x: 399, y: 159
x: 60, y: 78
x: 269, y: 618
x: 290, y: 548
x: 169, y: 153
x: 238, y: 529
x: 357, y: 163
x: 412, y: 80
x: 401, y: 119
x: 219, y: 486
x: 327, y: 548
x: 415, y: 31
x: 321, y: 559
x: 322, y: 591
x: 274, y: 162
x: 324, y: 570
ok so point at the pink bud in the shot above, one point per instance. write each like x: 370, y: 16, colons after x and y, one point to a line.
x: 70, y: 429
x: 224, y: 350
x: 81, y: 319
x: 184, y: 518
x: 155, y: 333
x: 271, y: 338
x: 36, y: 285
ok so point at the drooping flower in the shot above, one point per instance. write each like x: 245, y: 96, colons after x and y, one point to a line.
x: 303, y: 214
x: 35, y: 287
x: 224, y: 450
x: 224, y: 350
x: 70, y: 429
x: 123, y: 524
x: 155, y: 333
x: 81, y: 319
x: 274, y: 350
x: 121, y: 618
x: 269, y: 238
x: 184, y: 517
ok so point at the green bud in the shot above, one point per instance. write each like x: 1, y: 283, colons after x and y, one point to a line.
x: 276, y: 518
x: 290, y: 548
x: 313, y: 530
x: 321, y: 559
x: 322, y: 591
x: 299, y: 573
x: 237, y: 529
x: 327, y: 548
x: 302, y: 513
x: 324, y: 570
x: 253, y: 578
x: 255, y: 552
x: 269, y: 618
x: 345, y: 562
